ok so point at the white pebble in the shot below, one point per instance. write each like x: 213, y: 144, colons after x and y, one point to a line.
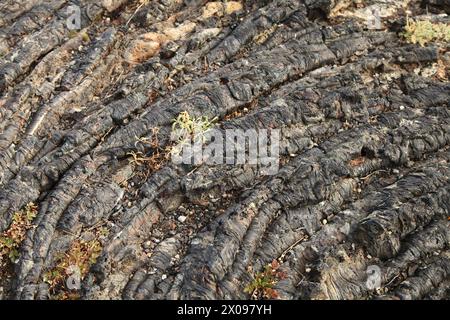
x: 182, y: 218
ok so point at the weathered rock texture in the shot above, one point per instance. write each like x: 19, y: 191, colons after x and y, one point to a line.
x: 364, y: 175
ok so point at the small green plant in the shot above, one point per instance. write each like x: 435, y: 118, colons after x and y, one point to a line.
x: 82, y: 255
x: 186, y: 128
x: 261, y: 287
x: 12, y: 238
x: 423, y: 31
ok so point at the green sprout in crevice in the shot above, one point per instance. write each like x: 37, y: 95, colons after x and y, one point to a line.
x: 262, y: 285
x: 186, y: 128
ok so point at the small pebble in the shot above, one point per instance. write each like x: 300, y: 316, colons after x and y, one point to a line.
x: 147, y: 244
x: 182, y: 219
x: 402, y: 107
x: 163, y: 277
x: 308, y: 270
x: 324, y: 221
x: 157, y: 233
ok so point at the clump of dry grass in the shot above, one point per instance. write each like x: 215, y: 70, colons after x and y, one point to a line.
x: 160, y: 155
